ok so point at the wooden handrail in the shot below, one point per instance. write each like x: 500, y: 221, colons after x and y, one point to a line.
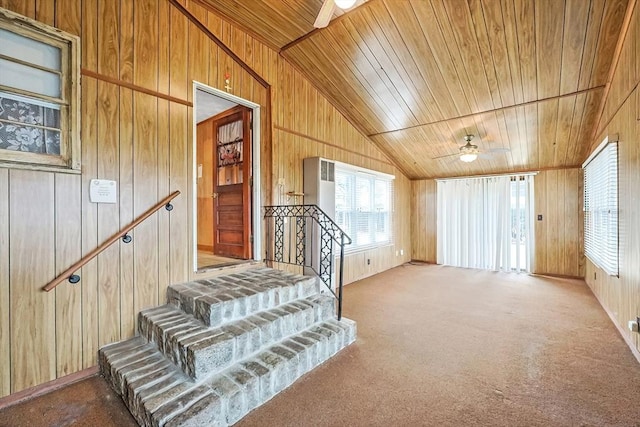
x: 91, y: 255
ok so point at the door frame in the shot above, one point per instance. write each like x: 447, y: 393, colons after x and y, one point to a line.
x: 256, y: 193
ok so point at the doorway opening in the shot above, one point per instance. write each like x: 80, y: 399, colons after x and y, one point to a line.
x: 226, y: 159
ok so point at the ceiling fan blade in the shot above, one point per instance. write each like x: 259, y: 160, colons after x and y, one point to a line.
x: 325, y: 14
x: 445, y: 156
x: 490, y: 153
x: 498, y: 150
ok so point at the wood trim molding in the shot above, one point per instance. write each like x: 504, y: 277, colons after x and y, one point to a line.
x: 623, y: 333
x: 266, y: 84
x: 39, y: 390
x: 300, y: 39
x: 507, y: 172
x: 122, y: 83
x: 238, y: 24
x: 612, y: 70
x: 332, y: 22
x: 268, y: 138
x: 220, y: 44
x: 495, y: 110
x: 557, y: 276
x: 338, y: 108
x: 302, y: 135
x: 266, y: 156
x: 600, y: 129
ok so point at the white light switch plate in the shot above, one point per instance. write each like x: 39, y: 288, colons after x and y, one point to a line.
x: 103, y: 191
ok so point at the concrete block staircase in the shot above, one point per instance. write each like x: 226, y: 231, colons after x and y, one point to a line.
x: 223, y: 346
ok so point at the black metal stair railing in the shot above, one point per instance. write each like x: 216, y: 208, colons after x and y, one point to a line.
x: 306, y: 236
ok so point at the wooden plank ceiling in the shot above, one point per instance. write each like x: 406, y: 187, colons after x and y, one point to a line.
x: 417, y: 75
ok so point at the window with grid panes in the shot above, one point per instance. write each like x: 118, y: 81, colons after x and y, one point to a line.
x: 364, y: 203
x: 39, y: 95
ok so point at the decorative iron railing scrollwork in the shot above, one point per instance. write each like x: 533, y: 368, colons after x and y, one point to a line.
x: 304, y: 235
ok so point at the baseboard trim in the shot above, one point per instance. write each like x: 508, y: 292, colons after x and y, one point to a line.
x: 557, y: 276
x: 39, y: 390
x: 623, y: 333
x: 206, y: 248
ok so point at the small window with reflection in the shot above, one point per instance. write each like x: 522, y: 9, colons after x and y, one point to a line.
x: 39, y: 95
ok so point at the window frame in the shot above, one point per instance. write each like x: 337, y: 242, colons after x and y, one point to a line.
x: 69, y: 159
x: 594, y: 242
x: 373, y: 176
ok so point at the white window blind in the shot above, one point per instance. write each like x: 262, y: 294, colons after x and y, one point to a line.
x: 601, y: 208
x: 364, y: 204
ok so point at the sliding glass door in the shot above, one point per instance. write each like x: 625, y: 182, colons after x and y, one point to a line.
x: 521, y: 223
x: 486, y: 222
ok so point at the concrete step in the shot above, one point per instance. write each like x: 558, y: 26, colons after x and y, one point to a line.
x: 200, y: 350
x: 157, y: 393
x: 225, y: 298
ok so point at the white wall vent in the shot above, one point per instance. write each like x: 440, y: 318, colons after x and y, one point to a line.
x: 327, y: 171
x: 319, y: 184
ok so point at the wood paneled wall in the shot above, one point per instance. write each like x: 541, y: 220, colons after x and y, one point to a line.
x: 293, y: 143
x: 620, y: 296
x: 134, y: 136
x: 626, y: 74
x: 139, y: 59
x: 558, y: 237
x: 424, y: 220
x: 305, y: 124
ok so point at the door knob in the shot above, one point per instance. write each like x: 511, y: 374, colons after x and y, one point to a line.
x: 214, y: 195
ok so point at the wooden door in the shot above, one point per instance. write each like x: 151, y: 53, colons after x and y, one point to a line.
x: 232, y: 184
x: 205, y: 155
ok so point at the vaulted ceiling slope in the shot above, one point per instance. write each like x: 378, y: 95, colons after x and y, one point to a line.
x: 526, y: 77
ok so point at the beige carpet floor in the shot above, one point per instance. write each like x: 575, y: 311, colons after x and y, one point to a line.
x: 440, y: 346
x: 443, y: 346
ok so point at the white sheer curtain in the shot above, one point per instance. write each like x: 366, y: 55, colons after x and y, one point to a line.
x: 486, y: 222
x: 230, y: 132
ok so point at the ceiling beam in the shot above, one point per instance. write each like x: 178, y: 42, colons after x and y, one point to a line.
x: 392, y: 160
x: 505, y: 172
x: 237, y: 23
x: 465, y: 116
x: 195, y: 21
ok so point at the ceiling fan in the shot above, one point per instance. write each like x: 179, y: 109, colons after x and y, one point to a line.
x: 470, y: 152
x: 327, y: 9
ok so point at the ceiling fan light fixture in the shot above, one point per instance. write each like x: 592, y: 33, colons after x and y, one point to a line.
x: 468, y: 157
x: 344, y: 4
x: 469, y: 151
